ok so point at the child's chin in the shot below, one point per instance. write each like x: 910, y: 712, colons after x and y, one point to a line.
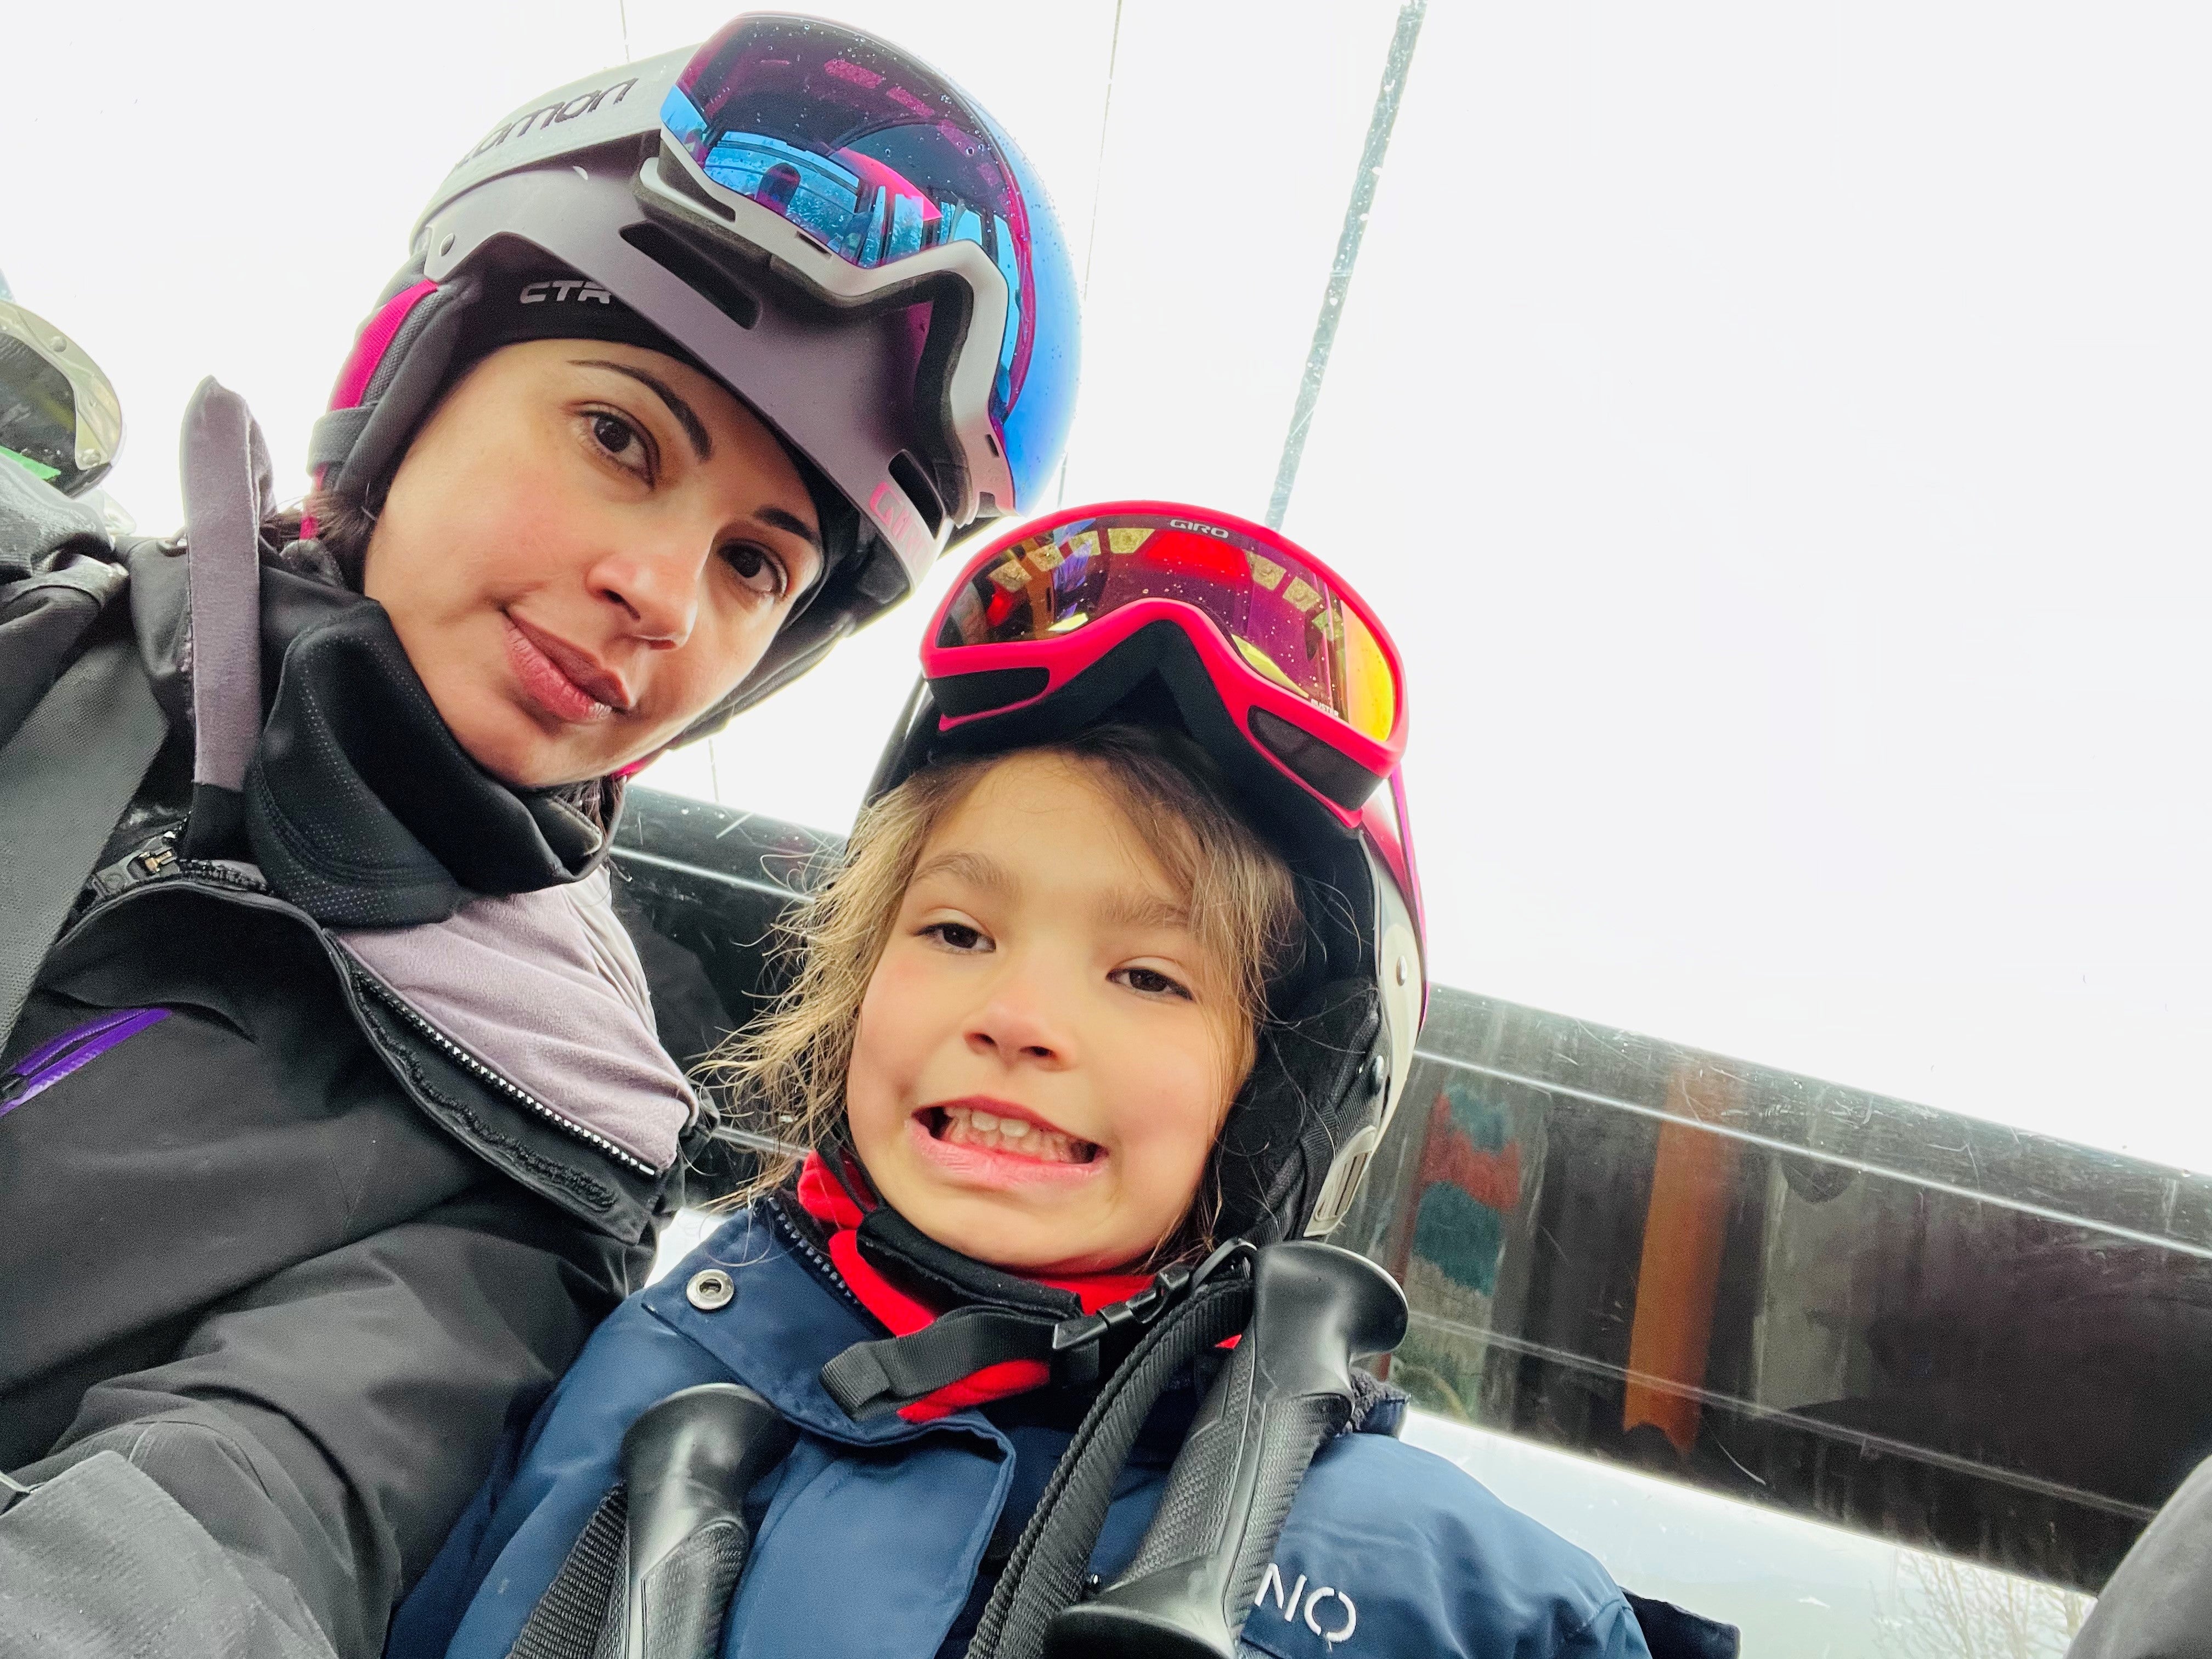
x: 980, y: 1226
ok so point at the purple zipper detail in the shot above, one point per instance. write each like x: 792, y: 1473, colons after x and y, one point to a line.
x: 49, y: 1063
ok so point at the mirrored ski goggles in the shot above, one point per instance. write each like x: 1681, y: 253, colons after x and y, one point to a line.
x: 1288, y: 638
x: 59, y: 418
x: 877, y: 158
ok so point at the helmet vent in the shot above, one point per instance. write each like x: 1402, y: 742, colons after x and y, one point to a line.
x: 910, y: 476
x: 695, y: 270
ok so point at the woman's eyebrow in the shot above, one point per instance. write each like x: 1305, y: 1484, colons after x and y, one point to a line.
x: 703, y: 443
x: 779, y: 518
x: 694, y: 428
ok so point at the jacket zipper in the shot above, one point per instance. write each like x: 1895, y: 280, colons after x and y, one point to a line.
x: 158, y: 861
x: 483, y: 1073
x: 71, y: 1052
x: 824, y: 1268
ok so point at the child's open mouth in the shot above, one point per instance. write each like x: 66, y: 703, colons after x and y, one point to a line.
x: 986, y: 1131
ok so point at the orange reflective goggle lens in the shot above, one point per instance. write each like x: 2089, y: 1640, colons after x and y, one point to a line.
x: 1288, y: 620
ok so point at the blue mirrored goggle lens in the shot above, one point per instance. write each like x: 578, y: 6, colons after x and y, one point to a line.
x: 878, y: 158
x: 1034, y: 409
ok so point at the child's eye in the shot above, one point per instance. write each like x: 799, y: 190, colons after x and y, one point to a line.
x: 1152, y: 982
x: 957, y: 936
x: 760, y: 570
x: 622, y: 443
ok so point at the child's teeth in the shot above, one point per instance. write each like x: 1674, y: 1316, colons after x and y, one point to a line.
x: 966, y: 1125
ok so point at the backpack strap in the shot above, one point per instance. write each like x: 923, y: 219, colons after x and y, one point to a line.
x: 1044, y: 1574
x: 227, y: 494
x: 71, y: 769
x: 1285, y: 1391
x: 652, y: 1573
x: 73, y: 765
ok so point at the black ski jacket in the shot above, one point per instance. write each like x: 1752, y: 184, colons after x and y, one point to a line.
x: 278, y: 1256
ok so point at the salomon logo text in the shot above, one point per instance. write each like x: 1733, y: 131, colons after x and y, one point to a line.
x: 584, y: 103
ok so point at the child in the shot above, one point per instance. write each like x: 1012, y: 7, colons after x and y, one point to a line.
x: 1104, y: 982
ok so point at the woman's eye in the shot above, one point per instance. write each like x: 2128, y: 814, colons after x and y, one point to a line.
x: 757, y: 569
x: 957, y: 935
x: 622, y: 441
x: 1152, y: 982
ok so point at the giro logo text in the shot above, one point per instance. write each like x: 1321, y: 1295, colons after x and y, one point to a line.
x: 894, y: 512
x: 1202, y: 529
x: 1329, y: 1612
x: 538, y: 293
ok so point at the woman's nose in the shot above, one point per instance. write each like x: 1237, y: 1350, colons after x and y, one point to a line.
x: 657, y: 587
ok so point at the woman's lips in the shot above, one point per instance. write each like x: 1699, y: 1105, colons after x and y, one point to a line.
x: 991, y: 1158
x: 559, y: 678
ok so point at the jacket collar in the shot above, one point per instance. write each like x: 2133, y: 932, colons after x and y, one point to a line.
x: 356, y: 800
x: 362, y: 809
x: 781, y: 1324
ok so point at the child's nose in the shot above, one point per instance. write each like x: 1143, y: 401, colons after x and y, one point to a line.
x: 1016, y: 1024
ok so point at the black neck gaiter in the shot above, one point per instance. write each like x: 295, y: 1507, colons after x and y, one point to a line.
x: 362, y: 810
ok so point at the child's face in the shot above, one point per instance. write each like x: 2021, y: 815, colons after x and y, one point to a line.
x: 1042, y: 978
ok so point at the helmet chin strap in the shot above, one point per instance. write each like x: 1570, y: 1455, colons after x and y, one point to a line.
x: 966, y: 1333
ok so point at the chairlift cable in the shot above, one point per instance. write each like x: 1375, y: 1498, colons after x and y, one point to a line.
x: 1097, y: 189
x: 1396, y: 68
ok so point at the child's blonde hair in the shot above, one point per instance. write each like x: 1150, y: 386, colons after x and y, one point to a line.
x: 783, y: 1081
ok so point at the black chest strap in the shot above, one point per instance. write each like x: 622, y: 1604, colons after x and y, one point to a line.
x: 993, y: 1318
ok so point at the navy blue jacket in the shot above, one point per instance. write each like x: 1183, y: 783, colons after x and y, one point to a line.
x: 1389, y: 1550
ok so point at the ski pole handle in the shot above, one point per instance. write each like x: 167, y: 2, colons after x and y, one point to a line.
x: 687, y: 1466
x: 1285, y: 1391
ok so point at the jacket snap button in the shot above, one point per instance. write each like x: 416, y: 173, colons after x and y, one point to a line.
x: 710, y: 1290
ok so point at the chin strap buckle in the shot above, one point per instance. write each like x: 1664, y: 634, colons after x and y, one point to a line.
x: 1082, y: 1347
x: 870, y: 1378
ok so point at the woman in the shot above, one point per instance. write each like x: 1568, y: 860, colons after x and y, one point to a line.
x: 342, y: 1060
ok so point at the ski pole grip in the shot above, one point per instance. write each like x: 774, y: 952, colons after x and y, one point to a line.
x: 1285, y: 1391
x: 687, y: 1465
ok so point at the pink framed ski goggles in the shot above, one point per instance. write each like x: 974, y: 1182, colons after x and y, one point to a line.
x: 1301, y: 664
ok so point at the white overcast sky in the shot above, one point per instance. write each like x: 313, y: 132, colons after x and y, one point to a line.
x: 1776, y: 433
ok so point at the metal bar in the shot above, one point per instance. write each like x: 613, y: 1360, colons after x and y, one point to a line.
x: 1865, y: 1439
x: 1394, y: 69
x: 1097, y: 189
x: 1816, y: 1154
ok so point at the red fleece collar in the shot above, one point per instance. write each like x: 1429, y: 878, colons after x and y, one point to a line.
x: 822, y: 1196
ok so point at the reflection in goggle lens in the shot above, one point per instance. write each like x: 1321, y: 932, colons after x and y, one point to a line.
x: 1285, y: 619
x: 868, y: 152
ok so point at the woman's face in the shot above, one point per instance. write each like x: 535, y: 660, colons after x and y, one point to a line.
x: 586, y: 547
x: 1042, y: 1059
